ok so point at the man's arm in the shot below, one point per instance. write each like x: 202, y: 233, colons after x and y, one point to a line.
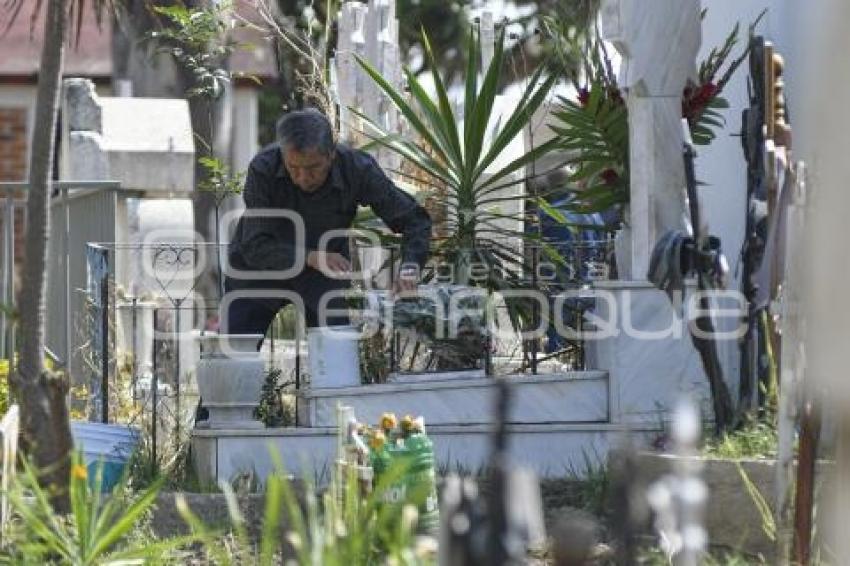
x: 263, y: 244
x: 398, y: 210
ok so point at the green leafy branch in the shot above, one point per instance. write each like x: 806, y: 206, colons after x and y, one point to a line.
x: 198, y: 39
x: 220, y: 181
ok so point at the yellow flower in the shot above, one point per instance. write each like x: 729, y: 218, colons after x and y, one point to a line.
x: 79, y: 472
x: 407, y: 423
x: 388, y: 421
x: 376, y: 442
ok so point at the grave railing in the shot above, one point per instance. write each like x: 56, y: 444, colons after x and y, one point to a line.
x: 542, y: 270
x: 141, y: 303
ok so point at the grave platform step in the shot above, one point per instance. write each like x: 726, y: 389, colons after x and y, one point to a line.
x: 552, y: 449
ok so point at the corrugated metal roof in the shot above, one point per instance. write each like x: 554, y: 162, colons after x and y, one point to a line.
x: 20, y: 46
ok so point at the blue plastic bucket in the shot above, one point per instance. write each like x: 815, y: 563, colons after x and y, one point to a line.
x: 107, y: 445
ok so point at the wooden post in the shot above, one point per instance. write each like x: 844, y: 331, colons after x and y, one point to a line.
x: 805, y: 495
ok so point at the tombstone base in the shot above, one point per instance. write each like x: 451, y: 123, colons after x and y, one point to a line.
x: 230, y: 416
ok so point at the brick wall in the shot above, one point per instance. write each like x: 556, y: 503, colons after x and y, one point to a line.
x: 13, y: 144
x: 13, y: 167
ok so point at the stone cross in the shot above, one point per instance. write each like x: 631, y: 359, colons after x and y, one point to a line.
x: 659, y: 42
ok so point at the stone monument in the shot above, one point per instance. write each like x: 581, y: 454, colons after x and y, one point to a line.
x: 146, y: 146
x: 658, y: 42
x: 649, y: 359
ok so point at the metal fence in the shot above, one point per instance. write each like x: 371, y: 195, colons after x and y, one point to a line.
x: 548, y: 268
x: 62, y: 259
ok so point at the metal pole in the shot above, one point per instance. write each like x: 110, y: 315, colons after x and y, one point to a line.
x: 297, y: 359
x: 582, y: 362
x: 488, y: 344
x: 9, y: 272
x: 66, y: 254
x: 534, y: 314
x: 135, y: 374
x: 297, y: 363
x: 104, y: 348
x: 271, y: 340
x: 177, y: 374
x: 393, y: 335
x: 154, y: 392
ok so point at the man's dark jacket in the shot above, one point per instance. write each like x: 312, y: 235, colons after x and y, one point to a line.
x: 355, y: 179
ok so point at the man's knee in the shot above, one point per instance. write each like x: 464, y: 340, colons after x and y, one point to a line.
x: 326, y: 302
x: 250, y: 315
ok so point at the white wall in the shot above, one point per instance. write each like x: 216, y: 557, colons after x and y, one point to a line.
x: 721, y: 165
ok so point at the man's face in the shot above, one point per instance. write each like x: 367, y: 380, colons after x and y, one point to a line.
x: 309, y: 168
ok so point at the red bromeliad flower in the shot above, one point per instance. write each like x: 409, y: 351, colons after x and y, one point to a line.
x: 613, y: 94
x: 610, y: 176
x: 696, y: 97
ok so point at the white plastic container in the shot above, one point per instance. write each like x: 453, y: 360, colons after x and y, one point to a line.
x: 334, y: 356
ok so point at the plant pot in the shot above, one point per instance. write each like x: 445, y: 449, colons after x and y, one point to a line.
x: 230, y: 377
x: 334, y: 355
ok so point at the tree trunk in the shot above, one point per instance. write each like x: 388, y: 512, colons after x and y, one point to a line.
x: 152, y: 74
x: 45, y: 429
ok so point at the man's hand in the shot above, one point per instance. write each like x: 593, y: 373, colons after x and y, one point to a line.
x: 329, y: 263
x: 407, y: 280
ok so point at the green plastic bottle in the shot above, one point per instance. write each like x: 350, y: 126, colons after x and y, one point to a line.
x: 412, y: 450
x: 421, y: 479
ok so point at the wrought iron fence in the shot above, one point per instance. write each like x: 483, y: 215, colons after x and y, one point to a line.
x: 545, y: 269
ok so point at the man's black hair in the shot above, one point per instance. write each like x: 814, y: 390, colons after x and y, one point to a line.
x: 303, y: 130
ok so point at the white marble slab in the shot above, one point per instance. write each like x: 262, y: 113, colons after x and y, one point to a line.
x: 651, y: 361
x: 570, y: 397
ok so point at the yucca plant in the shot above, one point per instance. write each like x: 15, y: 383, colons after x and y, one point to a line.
x: 458, y: 161
x: 99, y: 530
